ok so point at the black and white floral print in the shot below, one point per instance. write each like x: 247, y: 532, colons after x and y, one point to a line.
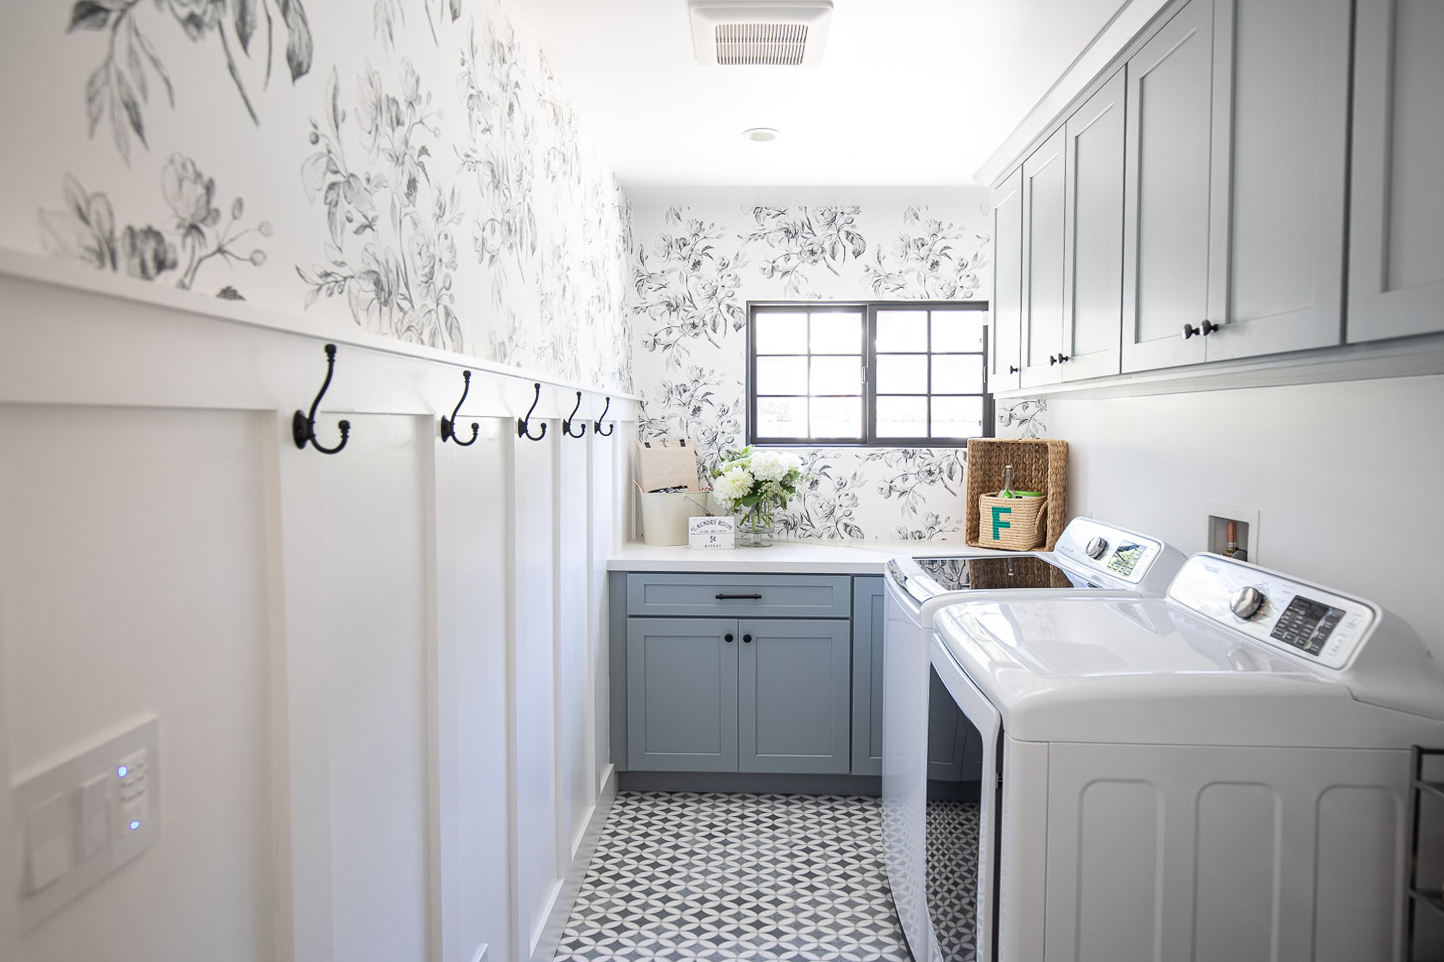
x: 802, y: 238
x: 195, y: 233
x: 929, y: 259
x: 688, y: 288
x: 693, y: 273
x: 121, y: 85
x: 1023, y: 419
x: 443, y: 194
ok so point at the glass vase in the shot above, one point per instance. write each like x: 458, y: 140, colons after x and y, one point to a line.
x: 754, y: 528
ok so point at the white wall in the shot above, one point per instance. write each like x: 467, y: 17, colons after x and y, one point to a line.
x: 1345, y: 477
x: 365, y: 748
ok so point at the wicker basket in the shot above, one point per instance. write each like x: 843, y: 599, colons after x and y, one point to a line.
x: 1038, y: 465
x: 1013, y: 524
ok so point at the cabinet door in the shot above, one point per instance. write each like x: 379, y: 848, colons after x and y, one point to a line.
x: 1396, y: 242
x: 1007, y: 203
x: 1281, y: 94
x: 1043, y: 190
x: 795, y: 709
x: 869, y: 606
x: 682, y: 694
x: 1093, y: 240
x: 1166, y: 192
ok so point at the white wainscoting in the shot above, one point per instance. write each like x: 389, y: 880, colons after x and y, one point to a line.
x: 381, y: 675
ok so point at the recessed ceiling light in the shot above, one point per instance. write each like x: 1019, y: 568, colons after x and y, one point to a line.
x: 760, y: 134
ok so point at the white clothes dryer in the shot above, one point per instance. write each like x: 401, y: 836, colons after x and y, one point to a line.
x: 1091, y: 558
x: 1221, y: 774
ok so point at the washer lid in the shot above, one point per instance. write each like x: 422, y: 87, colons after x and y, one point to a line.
x: 1084, y: 669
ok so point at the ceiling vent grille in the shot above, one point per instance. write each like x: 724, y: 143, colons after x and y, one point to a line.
x: 751, y: 33
x: 761, y: 44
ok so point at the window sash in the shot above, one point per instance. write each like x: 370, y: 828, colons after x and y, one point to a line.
x: 869, y: 359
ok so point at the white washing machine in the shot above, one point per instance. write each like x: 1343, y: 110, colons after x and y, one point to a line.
x: 1090, y: 558
x: 1219, y: 776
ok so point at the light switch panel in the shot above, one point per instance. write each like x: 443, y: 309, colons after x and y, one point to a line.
x: 47, y: 843
x: 134, y: 790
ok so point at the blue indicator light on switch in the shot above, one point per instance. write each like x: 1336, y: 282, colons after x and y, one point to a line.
x: 134, y: 825
x: 121, y: 771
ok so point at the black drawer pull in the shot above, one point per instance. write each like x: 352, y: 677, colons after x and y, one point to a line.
x: 726, y: 597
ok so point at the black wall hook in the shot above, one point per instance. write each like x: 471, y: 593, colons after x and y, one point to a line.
x: 448, y: 425
x: 597, y: 424
x: 523, y: 425
x: 567, y: 424
x: 303, y: 426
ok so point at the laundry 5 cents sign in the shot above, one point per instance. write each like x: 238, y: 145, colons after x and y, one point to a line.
x: 711, y: 533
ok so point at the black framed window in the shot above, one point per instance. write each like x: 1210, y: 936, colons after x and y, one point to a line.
x: 881, y: 373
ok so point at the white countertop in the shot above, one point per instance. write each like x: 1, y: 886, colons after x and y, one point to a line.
x: 793, y: 557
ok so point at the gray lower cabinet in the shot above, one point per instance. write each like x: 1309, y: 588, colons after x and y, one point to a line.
x: 738, y: 695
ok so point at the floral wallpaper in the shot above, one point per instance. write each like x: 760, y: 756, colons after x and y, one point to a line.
x: 407, y: 167
x: 695, y: 269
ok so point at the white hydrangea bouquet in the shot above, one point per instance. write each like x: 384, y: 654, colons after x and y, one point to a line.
x: 753, y: 483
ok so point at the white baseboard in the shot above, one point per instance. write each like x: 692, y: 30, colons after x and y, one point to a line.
x: 545, y: 946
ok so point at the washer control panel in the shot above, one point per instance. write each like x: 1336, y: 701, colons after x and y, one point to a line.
x: 1303, y: 619
x: 1100, y: 547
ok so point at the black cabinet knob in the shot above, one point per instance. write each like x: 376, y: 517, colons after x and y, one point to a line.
x: 747, y: 639
x: 1209, y: 327
x: 1012, y: 369
x: 1189, y: 330
x: 727, y: 638
x: 1062, y: 359
x: 1052, y: 359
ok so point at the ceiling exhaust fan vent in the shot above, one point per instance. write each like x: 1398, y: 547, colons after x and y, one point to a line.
x: 734, y: 33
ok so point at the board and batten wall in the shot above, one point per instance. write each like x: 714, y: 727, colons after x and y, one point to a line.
x: 1344, y: 475
x: 378, y: 674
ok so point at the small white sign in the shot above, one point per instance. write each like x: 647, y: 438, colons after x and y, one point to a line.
x: 711, y: 533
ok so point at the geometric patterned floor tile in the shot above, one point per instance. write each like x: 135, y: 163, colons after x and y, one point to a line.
x: 684, y: 876
x: 710, y: 877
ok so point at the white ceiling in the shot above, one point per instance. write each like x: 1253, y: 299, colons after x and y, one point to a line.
x: 911, y: 93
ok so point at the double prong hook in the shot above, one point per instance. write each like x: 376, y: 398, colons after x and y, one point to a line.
x: 523, y: 425
x: 303, y: 426
x: 567, y: 424
x: 448, y: 425
x: 597, y: 424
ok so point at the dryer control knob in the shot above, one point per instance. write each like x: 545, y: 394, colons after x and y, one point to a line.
x: 1247, y: 602
x: 1096, y: 548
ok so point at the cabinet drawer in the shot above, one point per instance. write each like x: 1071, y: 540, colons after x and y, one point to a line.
x: 771, y: 596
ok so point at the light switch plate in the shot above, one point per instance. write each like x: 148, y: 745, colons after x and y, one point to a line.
x: 74, y: 779
x: 47, y: 843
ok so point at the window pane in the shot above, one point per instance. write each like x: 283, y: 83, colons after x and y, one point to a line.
x: 836, y: 333
x: 958, y: 374
x: 781, y: 375
x: 837, y: 417
x: 957, y: 417
x: 782, y: 417
x: 836, y: 375
x: 957, y: 331
x: 781, y: 333
x: 902, y: 417
x: 902, y: 330
x: 902, y: 374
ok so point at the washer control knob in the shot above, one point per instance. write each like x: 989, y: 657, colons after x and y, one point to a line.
x: 1247, y: 602
x: 1096, y: 548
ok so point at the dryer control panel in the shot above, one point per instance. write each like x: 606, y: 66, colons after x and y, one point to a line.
x: 1303, y: 619
x: 1100, y: 547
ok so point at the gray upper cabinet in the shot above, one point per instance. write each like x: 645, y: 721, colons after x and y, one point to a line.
x: 1007, y: 203
x: 1281, y: 82
x: 869, y: 605
x: 794, y: 695
x: 1396, y: 271
x: 682, y: 694
x: 1093, y: 237
x: 1167, y: 190
x: 1043, y: 216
